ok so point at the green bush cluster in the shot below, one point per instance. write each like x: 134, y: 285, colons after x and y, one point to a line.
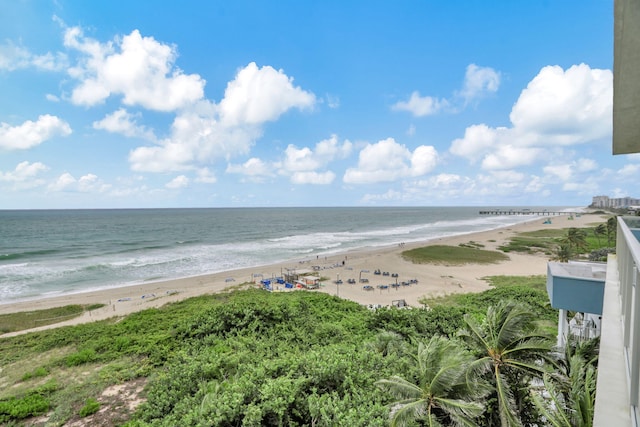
x: 247, y: 357
x: 91, y: 407
x: 34, y: 402
x: 36, y: 373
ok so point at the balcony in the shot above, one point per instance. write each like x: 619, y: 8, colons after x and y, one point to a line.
x: 576, y: 286
x: 617, y: 395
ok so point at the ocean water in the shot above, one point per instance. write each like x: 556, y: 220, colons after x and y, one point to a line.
x: 53, y: 252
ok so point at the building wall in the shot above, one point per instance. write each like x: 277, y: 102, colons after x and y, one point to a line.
x: 617, y: 202
x: 576, y: 294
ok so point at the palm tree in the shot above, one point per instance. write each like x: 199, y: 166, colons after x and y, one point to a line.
x: 441, y: 393
x: 612, y: 228
x: 510, y: 352
x: 562, y: 253
x: 575, y: 407
x: 576, y: 238
x: 586, y: 350
x: 572, y: 390
x: 386, y: 343
x: 600, y: 230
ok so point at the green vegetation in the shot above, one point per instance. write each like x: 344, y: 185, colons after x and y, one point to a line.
x: 453, y: 255
x: 539, y: 241
x: 34, y: 402
x: 510, y: 351
x: 253, y: 358
x: 444, y: 394
x: 13, y: 322
x: 91, y: 407
x: 572, y: 402
x: 38, y: 372
x: 530, y: 290
x: 559, y: 244
x: 562, y: 245
x: 471, y: 244
x: 257, y: 358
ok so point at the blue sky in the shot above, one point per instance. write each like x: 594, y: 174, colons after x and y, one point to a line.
x: 116, y: 104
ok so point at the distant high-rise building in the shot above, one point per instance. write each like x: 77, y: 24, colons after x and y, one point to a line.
x: 618, y: 202
x: 600, y: 202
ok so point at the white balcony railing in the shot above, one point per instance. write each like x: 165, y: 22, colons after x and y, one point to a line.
x: 621, y: 336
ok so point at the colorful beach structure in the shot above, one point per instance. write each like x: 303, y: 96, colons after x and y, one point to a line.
x: 301, y: 279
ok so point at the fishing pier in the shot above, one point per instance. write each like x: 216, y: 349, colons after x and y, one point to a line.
x: 544, y: 212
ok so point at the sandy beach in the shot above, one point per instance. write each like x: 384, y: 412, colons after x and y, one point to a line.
x: 433, y: 280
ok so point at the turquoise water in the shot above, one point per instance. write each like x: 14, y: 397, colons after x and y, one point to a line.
x: 66, y: 251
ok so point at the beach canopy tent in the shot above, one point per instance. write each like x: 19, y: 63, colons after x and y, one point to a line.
x: 308, y: 283
x: 292, y: 275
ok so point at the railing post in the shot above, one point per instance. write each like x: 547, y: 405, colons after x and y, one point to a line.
x: 634, y: 345
x: 625, y: 276
x: 562, y: 328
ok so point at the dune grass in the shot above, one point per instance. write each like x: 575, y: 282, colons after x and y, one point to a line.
x: 534, y: 241
x: 13, y: 322
x: 453, y: 255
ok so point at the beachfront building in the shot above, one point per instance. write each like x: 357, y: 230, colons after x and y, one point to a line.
x: 618, y: 383
x: 616, y: 202
x: 600, y: 202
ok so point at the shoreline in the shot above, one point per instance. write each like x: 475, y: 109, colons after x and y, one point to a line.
x: 433, y: 280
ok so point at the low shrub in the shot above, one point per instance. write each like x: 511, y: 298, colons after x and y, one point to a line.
x: 91, y: 407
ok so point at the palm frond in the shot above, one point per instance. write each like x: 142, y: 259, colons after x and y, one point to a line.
x: 405, y: 414
x: 400, y: 388
x: 554, y: 411
x: 460, y: 408
x: 506, y: 404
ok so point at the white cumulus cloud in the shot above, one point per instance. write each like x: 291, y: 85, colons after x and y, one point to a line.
x: 564, y: 172
x: 303, y: 164
x: 25, y: 175
x: 313, y: 177
x: 476, y: 141
x: 254, y: 167
x: 30, y: 133
x: 387, y: 161
x: 566, y: 107
x: 559, y: 108
x: 85, y: 184
x: 479, y: 81
x: 630, y: 170
x: 420, y: 106
x: 63, y: 183
x: 259, y: 95
x: 509, y: 156
x: 305, y: 159
x: 423, y: 159
x: 207, y: 132
x: 205, y: 176
x: 179, y: 181
x: 122, y: 122
x: 138, y: 68
x: 14, y: 57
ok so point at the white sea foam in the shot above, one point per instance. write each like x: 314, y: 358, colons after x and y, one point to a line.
x: 207, y: 241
